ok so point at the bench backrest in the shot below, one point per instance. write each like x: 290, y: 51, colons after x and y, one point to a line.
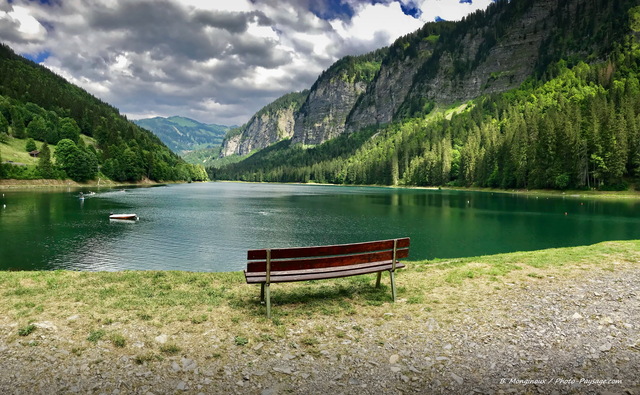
x: 300, y: 258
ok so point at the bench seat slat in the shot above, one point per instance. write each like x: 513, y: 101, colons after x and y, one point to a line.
x: 299, y: 252
x: 306, y: 275
x: 323, y: 270
x: 323, y: 262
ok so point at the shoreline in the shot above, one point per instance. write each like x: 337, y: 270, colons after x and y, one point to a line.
x: 55, y: 184
x: 628, y: 194
x: 14, y: 184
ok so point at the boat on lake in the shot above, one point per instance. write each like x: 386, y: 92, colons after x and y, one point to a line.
x: 127, y: 217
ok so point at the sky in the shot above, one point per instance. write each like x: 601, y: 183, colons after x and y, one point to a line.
x: 216, y: 61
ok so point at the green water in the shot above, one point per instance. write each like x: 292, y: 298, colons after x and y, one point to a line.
x: 209, y: 227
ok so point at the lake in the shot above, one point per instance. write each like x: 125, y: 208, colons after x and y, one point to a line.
x: 210, y: 226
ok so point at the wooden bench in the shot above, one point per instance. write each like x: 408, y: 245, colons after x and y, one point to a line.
x: 279, y: 265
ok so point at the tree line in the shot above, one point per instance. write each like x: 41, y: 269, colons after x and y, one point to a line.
x: 36, y: 103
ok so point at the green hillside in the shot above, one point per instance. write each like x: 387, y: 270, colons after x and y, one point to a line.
x: 182, y: 134
x: 36, y: 103
x: 574, y: 123
x: 202, y: 156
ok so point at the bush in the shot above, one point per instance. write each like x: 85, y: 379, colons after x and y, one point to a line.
x: 30, y: 145
x: 622, y: 186
x: 27, y: 330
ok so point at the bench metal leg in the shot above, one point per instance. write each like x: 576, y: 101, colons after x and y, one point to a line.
x: 262, y: 293
x: 378, y: 279
x: 268, y: 294
x: 393, y: 285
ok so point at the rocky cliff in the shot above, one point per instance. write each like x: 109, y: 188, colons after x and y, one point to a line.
x: 495, y: 51
x: 389, y: 89
x: 323, y: 116
x: 271, y: 124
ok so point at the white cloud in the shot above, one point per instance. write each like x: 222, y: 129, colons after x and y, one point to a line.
x: 450, y: 10
x: 19, y: 26
x: 388, y: 19
x: 216, y: 61
x: 222, y: 5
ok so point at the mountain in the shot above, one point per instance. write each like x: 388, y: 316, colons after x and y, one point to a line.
x: 182, y: 134
x: 312, y: 116
x: 271, y: 124
x: 330, y: 100
x: 526, y: 94
x: 88, y: 138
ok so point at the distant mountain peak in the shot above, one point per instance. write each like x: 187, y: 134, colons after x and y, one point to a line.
x: 183, y: 134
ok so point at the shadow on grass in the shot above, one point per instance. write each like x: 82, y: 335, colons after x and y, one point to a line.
x: 318, y: 297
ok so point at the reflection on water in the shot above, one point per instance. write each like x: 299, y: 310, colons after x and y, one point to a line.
x: 209, y: 227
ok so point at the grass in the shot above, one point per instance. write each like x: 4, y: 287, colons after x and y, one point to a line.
x: 122, y: 308
x: 241, y: 341
x: 27, y: 330
x: 170, y: 348
x: 14, y: 150
x: 118, y: 340
x: 94, y: 336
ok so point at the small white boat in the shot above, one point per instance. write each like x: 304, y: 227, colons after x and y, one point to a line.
x: 128, y: 217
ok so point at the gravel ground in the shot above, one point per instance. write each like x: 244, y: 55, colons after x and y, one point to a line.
x: 568, y: 334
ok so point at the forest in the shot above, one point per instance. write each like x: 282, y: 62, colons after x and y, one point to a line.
x: 40, y: 105
x: 576, y: 125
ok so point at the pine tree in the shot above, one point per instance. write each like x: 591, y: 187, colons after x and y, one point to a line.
x: 45, y: 167
x: 4, y: 124
x: 30, y: 145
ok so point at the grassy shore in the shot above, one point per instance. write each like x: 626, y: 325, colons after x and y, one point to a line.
x: 187, y: 301
x: 57, y: 184
x: 42, y: 183
x: 459, y: 326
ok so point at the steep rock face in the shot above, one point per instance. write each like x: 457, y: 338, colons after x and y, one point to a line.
x: 324, y: 114
x: 230, y: 145
x: 462, y: 66
x: 271, y: 124
x: 387, y: 92
x: 260, y: 132
x: 491, y: 66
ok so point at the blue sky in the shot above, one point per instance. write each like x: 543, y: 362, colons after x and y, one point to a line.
x: 217, y: 61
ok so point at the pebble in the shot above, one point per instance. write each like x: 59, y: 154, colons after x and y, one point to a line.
x: 188, y: 364
x: 606, y: 321
x: 457, y: 378
x: 605, y: 347
x: 285, y: 370
x: 258, y: 346
x: 46, y: 325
